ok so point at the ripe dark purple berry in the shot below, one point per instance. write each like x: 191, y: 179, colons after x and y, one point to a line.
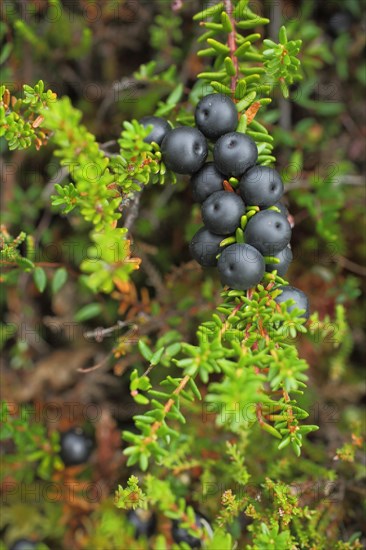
x: 143, y: 521
x: 299, y: 297
x: 216, y: 115
x: 184, y: 150
x: 285, y: 256
x: 234, y: 153
x: 222, y: 211
x: 180, y: 534
x: 160, y: 128
x: 205, y: 246
x: 268, y: 231
x: 241, y: 266
x: 206, y: 181
x: 261, y: 186
x: 23, y: 544
x: 76, y: 447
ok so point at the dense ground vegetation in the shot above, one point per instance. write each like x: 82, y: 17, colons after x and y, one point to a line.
x: 86, y: 344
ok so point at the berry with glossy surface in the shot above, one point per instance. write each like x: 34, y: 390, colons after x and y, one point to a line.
x: 268, y: 231
x: 160, y: 128
x: 216, y: 115
x: 180, y: 534
x: 76, y: 447
x: 234, y: 153
x: 23, y: 544
x: 285, y: 256
x: 222, y: 211
x: 143, y: 521
x: 206, y: 181
x: 299, y: 297
x: 261, y: 186
x: 241, y: 266
x: 184, y: 150
x: 205, y: 246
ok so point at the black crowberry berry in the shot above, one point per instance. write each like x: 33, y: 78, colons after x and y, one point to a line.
x: 180, y: 534
x: 285, y: 256
x: 160, y: 128
x: 143, y: 521
x: 206, y: 181
x: 261, y: 186
x: 268, y: 231
x: 216, y: 115
x: 184, y: 150
x: 23, y: 544
x: 76, y: 447
x: 241, y: 266
x: 222, y: 211
x: 299, y: 297
x: 234, y: 153
x: 205, y: 246
x: 340, y: 23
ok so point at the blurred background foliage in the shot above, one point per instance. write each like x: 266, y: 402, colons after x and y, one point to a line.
x: 119, y: 60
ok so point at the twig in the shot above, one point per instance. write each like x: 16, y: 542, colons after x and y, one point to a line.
x: 351, y: 266
x: 161, y: 200
x: 133, y: 210
x: 231, y: 41
x: 61, y: 174
x: 43, y: 224
x: 112, y: 97
x: 99, y: 333
x: 95, y: 367
x: 153, y: 274
x: 227, y: 324
x: 107, y: 144
x: 148, y: 370
x: 168, y: 406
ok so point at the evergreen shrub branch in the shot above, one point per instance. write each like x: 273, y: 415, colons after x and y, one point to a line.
x: 245, y: 356
x: 251, y: 344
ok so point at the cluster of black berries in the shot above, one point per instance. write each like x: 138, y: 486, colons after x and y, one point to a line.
x: 145, y: 522
x: 267, y: 232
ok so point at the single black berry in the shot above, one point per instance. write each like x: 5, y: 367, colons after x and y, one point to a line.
x: 299, y: 297
x: 261, y: 186
x: 268, y: 231
x: 180, y: 534
x: 216, y: 115
x: 285, y: 256
x: 143, y: 521
x: 340, y: 23
x: 205, y: 246
x: 234, y: 153
x: 222, y: 211
x: 241, y: 266
x: 206, y: 181
x: 23, y: 544
x: 160, y: 128
x: 76, y: 447
x: 184, y: 150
